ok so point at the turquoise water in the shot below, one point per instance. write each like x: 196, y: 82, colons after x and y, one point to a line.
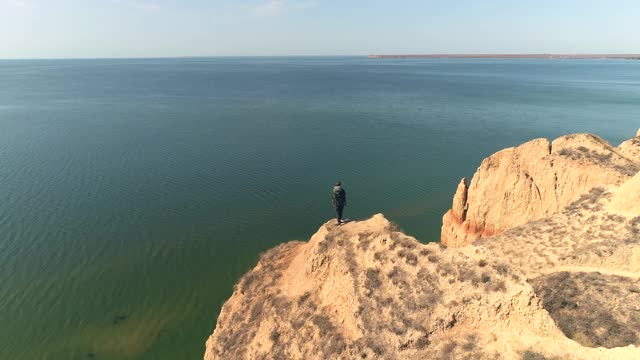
x: 134, y: 193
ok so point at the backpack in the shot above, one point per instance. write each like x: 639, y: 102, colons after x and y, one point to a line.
x: 338, y: 196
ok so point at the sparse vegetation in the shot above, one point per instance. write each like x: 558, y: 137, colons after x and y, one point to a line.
x: 446, y: 269
x: 427, y: 278
x: 275, y: 336
x: 303, y: 298
x: 380, y: 256
x: 597, y: 157
x: 403, y: 240
x: 408, y: 256
x: 615, y: 218
x: 485, y: 277
x: 532, y: 355
x: 372, y: 281
x: 323, y: 323
x: 422, y: 342
x: 447, y: 351
x: 375, y: 346
x: 281, y: 305
x: 633, y: 228
x: 350, y: 257
x: 426, y: 251
x: 323, y: 245
x: 335, y: 344
x: 398, y: 277
x: 470, y: 343
x: 364, y: 240
x: 579, y: 304
x: 588, y: 201
x: 496, y: 286
x: 256, y: 310
x: 248, y: 280
x: 468, y: 274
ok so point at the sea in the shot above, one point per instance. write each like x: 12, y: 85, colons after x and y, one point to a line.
x: 134, y: 193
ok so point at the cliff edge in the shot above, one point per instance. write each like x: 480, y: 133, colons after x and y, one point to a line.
x: 564, y: 285
x: 532, y: 181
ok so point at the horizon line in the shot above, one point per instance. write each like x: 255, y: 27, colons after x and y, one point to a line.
x: 513, y: 56
x: 631, y: 56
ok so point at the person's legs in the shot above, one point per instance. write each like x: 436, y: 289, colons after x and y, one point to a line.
x: 339, y: 211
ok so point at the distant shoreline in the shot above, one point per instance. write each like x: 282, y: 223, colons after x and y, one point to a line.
x: 507, y: 56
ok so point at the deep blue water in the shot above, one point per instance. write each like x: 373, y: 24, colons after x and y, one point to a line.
x: 134, y: 193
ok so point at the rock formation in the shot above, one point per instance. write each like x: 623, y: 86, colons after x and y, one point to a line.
x: 563, y: 286
x: 364, y: 290
x: 535, y: 180
x: 584, y: 264
x: 631, y: 149
x: 459, y: 208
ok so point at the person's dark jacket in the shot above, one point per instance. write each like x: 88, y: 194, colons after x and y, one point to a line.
x: 339, y: 197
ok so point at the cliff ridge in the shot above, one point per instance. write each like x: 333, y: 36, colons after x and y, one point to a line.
x: 535, y: 180
x: 552, y: 272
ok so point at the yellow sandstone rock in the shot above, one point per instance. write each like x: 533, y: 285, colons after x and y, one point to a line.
x: 559, y: 279
x: 535, y: 180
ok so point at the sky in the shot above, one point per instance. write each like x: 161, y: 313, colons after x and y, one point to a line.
x: 175, y: 28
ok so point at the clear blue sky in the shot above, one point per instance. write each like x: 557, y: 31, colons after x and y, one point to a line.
x: 147, y: 28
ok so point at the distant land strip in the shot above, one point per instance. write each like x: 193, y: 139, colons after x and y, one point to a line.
x: 508, y: 56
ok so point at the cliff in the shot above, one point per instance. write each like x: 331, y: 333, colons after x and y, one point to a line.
x: 564, y: 286
x: 532, y: 181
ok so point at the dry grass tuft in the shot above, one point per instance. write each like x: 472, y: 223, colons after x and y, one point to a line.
x: 591, y: 308
x: 408, y: 256
x: 372, y: 280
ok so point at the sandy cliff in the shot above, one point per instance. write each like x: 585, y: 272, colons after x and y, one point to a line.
x: 532, y: 181
x: 364, y: 290
x: 565, y: 285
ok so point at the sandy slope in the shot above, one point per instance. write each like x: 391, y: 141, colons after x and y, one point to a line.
x: 584, y: 264
x: 364, y: 290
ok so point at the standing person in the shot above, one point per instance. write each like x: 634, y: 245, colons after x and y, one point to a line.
x: 339, y: 199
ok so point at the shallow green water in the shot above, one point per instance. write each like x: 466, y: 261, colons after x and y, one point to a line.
x: 134, y: 193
